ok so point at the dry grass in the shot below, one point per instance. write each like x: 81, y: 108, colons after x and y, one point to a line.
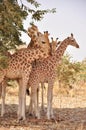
x: 69, y: 110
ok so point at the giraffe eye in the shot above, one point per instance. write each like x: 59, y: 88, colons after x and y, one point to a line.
x: 43, y: 42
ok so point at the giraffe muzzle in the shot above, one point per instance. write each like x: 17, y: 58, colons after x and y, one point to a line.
x: 77, y: 46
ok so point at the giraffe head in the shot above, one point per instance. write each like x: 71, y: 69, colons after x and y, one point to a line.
x: 39, y: 40
x: 54, y: 44
x: 71, y: 41
x: 32, y: 31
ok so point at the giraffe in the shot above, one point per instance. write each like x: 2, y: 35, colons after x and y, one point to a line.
x: 4, y: 83
x: 53, y: 45
x: 20, y: 64
x: 45, y: 71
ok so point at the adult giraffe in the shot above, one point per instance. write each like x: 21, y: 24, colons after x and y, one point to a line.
x: 20, y: 64
x: 45, y: 71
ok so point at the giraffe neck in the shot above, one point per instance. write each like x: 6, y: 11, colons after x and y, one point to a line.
x: 59, y: 52
x: 26, y: 55
x: 38, y: 53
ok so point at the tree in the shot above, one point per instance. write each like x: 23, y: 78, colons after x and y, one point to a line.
x: 82, y: 73
x: 68, y: 71
x: 12, y: 14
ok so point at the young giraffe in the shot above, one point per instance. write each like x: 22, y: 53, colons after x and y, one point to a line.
x: 53, y: 45
x: 20, y: 64
x: 45, y: 71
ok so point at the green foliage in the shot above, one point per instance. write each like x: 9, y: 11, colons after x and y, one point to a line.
x: 82, y: 74
x: 12, y: 83
x: 3, y: 62
x: 11, y: 16
x: 35, y: 3
x: 68, y: 72
x: 38, y: 15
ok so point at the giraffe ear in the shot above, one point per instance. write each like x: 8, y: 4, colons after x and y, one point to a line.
x: 59, y: 42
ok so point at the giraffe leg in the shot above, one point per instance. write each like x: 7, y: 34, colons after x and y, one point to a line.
x: 37, y: 97
x: 3, y: 98
x: 20, y: 99
x: 31, y: 107
x: 49, y: 101
x: 34, y: 100
x: 24, y: 86
x: 36, y: 105
x: 42, y: 94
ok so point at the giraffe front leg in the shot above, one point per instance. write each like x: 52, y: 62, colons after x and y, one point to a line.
x: 35, y: 102
x: 31, y: 106
x: 25, y: 78
x: 36, y: 106
x: 3, y: 85
x: 20, y: 99
x: 42, y: 94
x: 49, y: 101
x: 24, y: 86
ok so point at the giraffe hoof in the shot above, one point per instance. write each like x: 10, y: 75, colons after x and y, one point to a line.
x: 30, y: 114
x: 21, y: 119
x: 37, y: 117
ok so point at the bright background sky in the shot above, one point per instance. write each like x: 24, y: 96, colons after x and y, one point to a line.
x: 70, y: 17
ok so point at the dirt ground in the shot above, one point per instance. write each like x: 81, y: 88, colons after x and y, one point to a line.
x: 69, y: 111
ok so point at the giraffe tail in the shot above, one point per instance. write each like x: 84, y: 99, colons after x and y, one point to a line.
x: 28, y: 92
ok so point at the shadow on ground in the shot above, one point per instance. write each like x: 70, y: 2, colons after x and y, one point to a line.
x: 71, y: 118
